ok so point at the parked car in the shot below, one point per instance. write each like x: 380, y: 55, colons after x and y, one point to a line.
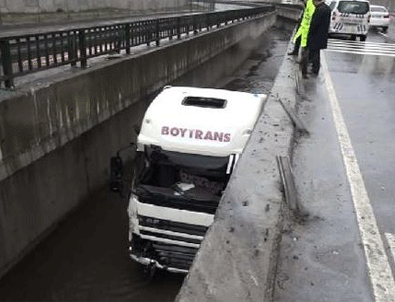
x: 350, y: 17
x: 380, y: 17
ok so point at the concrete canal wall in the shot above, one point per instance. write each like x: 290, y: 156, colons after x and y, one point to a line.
x: 58, y: 133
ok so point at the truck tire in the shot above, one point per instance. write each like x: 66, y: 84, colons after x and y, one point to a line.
x: 385, y: 29
x: 362, y: 38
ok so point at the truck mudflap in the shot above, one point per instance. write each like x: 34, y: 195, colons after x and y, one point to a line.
x: 170, y: 257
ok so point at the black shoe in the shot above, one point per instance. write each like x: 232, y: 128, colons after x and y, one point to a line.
x: 293, y: 53
x: 304, y: 76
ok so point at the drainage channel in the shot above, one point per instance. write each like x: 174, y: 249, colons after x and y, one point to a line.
x: 86, y: 258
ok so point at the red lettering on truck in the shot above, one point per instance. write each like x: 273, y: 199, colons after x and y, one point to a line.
x: 208, y: 135
x: 175, y: 131
x: 218, y: 136
x: 196, y: 134
x: 183, y: 131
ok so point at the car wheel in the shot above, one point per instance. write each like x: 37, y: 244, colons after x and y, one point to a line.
x: 385, y: 29
x: 362, y: 38
x: 353, y: 37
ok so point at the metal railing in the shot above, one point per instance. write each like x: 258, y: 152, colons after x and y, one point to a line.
x: 24, y: 54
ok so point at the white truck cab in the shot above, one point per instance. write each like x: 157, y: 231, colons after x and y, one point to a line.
x: 188, y: 146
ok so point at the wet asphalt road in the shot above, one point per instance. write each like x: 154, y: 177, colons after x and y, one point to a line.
x: 86, y: 258
x: 322, y: 257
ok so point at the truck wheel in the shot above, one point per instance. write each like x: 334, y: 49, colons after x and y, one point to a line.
x: 362, y: 38
x: 385, y: 29
x: 353, y: 37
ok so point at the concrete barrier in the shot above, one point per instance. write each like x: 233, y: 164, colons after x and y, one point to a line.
x: 238, y: 256
x: 291, y: 13
x: 57, y: 134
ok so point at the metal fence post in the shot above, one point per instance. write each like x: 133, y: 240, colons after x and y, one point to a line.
x: 148, y: 33
x: 157, y: 32
x: 195, y: 31
x: 6, y: 61
x: 127, y: 38
x: 82, y: 46
x: 178, y: 27
x: 72, y: 50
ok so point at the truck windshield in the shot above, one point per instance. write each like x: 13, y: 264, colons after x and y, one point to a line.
x: 166, y: 169
x: 353, y: 7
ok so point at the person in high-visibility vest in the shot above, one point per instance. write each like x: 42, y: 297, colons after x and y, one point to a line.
x: 318, y: 33
x: 303, y: 32
x: 296, y: 47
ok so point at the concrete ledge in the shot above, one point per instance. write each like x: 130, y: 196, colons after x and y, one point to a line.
x: 238, y: 257
x: 289, y: 12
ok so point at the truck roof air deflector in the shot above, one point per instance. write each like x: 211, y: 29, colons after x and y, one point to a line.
x: 204, y: 102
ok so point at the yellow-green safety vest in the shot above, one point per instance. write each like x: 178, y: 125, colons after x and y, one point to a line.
x: 304, y: 27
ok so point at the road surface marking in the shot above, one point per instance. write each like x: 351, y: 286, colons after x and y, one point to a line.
x: 362, y: 48
x: 350, y: 42
x: 386, y: 37
x: 379, y: 269
x: 391, y: 242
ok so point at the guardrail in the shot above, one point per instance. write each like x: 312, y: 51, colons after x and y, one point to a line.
x: 25, y: 54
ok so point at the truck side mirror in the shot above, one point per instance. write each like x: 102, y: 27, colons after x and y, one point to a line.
x: 116, y: 174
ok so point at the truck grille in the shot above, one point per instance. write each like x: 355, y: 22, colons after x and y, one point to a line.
x: 168, y: 225
x: 171, y: 237
x: 183, y: 204
x: 174, y: 255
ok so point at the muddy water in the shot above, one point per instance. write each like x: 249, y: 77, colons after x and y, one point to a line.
x: 86, y: 258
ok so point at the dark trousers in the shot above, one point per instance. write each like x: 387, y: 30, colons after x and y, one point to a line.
x: 305, y: 60
x: 315, y: 60
x: 313, y: 56
x: 297, y: 45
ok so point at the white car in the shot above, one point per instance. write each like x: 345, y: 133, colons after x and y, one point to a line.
x: 380, y: 18
x: 350, y: 17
